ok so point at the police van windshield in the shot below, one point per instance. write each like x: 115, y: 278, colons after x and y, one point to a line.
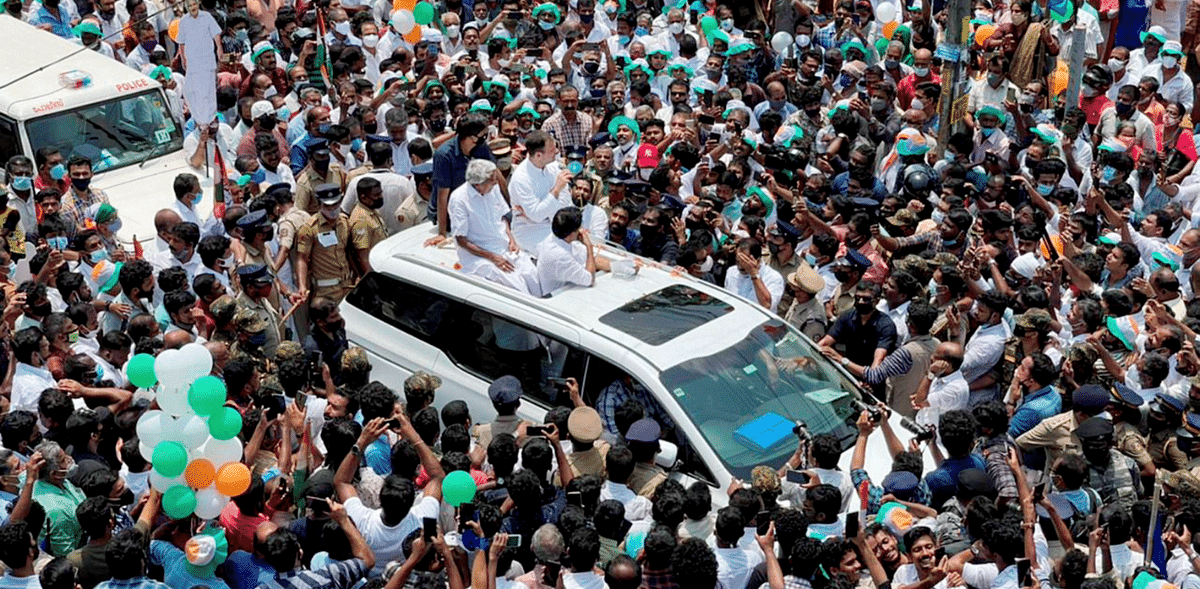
x: 746, y: 399
x: 116, y: 133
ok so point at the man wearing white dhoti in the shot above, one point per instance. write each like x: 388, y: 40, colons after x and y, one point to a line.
x: 486, y: 247
x: 199, y: 42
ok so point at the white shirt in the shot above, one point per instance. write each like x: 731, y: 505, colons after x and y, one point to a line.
x: 595, y: 220
x: 1125, y: 561
x: 28, y: 384
x: 478, y: 217
x: 743, y: 286
x: 283, y: 174
x: 529, y: 189
x: 734, y: 565
x: 899, y: 316
x: 188, y: 215
x: 384, y: 540
x: 983, y: 350
x: 637, y: 508
x: 561, y: 264
x: 907, y: 575
x: 946, y: 393
x: 1177, y: 89
x: 110, y: 372
x: 840, y: 480
x: 584, y: 580
x: 396, y: 189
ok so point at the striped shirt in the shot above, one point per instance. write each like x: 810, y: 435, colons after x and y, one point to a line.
x: 342, y: 574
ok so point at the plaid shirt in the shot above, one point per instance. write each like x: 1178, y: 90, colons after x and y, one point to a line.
x: 135, y: 583
x: 343, y: 574
x: 567, y: 134
x: 74, y: 208
x: 616, y: 393
x: 658, y: 579
x: 995, y: 450
x: 875, y: 493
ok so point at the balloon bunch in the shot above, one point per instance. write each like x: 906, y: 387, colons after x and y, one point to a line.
x: 191, y: 440
x: 409, y: 16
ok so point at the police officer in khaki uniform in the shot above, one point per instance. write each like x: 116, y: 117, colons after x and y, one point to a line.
x: 1165, y: 415
x: 366, y: 226
x: 1125, y: 409
x: 322, y: 249
x: 587, y: 449
x: 642, y: 438
x: 257, y: 284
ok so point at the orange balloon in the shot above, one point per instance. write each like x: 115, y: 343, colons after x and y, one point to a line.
x: 890, y: 28
x: 173, y: 30
x: 233, y: 479
x: 200, y: 473
x: 983, y: 33
x: 404, y: 4
x: 414, y: 35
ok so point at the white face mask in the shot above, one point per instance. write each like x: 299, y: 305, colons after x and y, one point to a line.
x: 503, y: 62
x: 1116, y: 65
x: 342, y: 28
x: 1169, y: 61
x: 803, y: 41
x: 707, y: 265
x: 1019, y: 18
x: 676, y: 28
x: 452, y: 31
x: 370, y: 40
x: 918, y: 104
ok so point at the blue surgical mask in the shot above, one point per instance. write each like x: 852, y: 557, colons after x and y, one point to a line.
x: 96, y: 256
x: 640, y: 32
x: 921, y: 71
x: 198, y: 197
x: 356, y: 145
x: 259, y: 176
x: 1107, y: 174
x: 57, y: 243
x: 22, y: 183
x: 58, y: 172
x: 115, y: 226
x: 12, y: 269
x: 937, y: 215
x: 1045, y: 189
x: 987, y: 131
x: 810, y: 259
x: 623, y: 40
x: 546, y: 25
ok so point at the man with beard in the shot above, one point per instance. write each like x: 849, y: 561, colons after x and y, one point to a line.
x: 923, y: 569
x: 1112, y: 474
x: 985, y: 348
x: 867, y: 334
x: 657, y: 241
x: 619, y: 231
x: 751, y: 278
x: 366, y: 227
x: 569, y: 126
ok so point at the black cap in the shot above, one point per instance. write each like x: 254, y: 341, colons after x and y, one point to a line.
x: 1094, y: 427
x: 254, y: 273
x: 315, y: 144
x: 253, y: 220
x: 328, y: 194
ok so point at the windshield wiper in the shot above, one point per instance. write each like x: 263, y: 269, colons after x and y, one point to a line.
x: 149, y: 155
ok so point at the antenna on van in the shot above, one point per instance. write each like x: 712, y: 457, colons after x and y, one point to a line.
x: 78, y: 51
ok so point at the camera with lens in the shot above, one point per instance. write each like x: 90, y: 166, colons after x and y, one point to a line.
x: 874, y: 414
x: 926, y: 433
x: 800, y: 430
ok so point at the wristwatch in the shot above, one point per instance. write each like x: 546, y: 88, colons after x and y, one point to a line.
x: 355, y: 450
x: 845, y: 361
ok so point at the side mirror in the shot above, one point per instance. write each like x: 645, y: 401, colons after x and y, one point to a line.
x: 668, y: 455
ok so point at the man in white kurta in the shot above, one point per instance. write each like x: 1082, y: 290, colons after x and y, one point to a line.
x: 539, y: 188
x: 199, y: 40
x: 485, y: 242
x: 566, y: 257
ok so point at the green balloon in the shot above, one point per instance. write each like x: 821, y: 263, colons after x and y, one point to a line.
x: 225, y: 423
x: 708, y: 24
x: 179, y: 502
x: 170, y: 459
x: 423, y: 13
x: 206, y: 395
x: 458, y: 487
x: 140, y: 370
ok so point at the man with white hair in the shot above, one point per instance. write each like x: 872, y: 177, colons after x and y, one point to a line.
x: 59, y: 498
x: 486, y: 246
x: 547, y: 546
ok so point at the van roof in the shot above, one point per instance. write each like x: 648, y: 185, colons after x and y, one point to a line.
x: 40, y: 93
x: 583, y: 308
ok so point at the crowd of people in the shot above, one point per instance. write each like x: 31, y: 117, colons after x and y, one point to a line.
x: 1018, y: 282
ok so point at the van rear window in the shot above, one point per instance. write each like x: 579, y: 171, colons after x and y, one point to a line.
x: 662, y: 316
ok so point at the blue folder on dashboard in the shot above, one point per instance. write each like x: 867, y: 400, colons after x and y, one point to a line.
x: 764, y: 432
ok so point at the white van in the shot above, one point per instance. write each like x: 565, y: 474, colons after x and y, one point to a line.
x: 119, y: 119
x: 732, y: 376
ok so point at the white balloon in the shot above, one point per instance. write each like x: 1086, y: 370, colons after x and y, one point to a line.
x: 162, y: 483
x: 404, y: 21
x: 210, y: 502
x: 221, y: 452
x: 197, y: 361
x: 167, y: 367
x: 149, y: 428
x: 173, y: 400
x: 781, y: 41
x: 885, y: 12
x: 147, y: 452
x: 195, y: 432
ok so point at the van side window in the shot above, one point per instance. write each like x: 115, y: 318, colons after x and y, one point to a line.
x: 10, y: 139
x: 476, y: 340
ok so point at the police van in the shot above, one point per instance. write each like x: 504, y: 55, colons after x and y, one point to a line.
x: 55, y: 93
x: 730, y: 378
